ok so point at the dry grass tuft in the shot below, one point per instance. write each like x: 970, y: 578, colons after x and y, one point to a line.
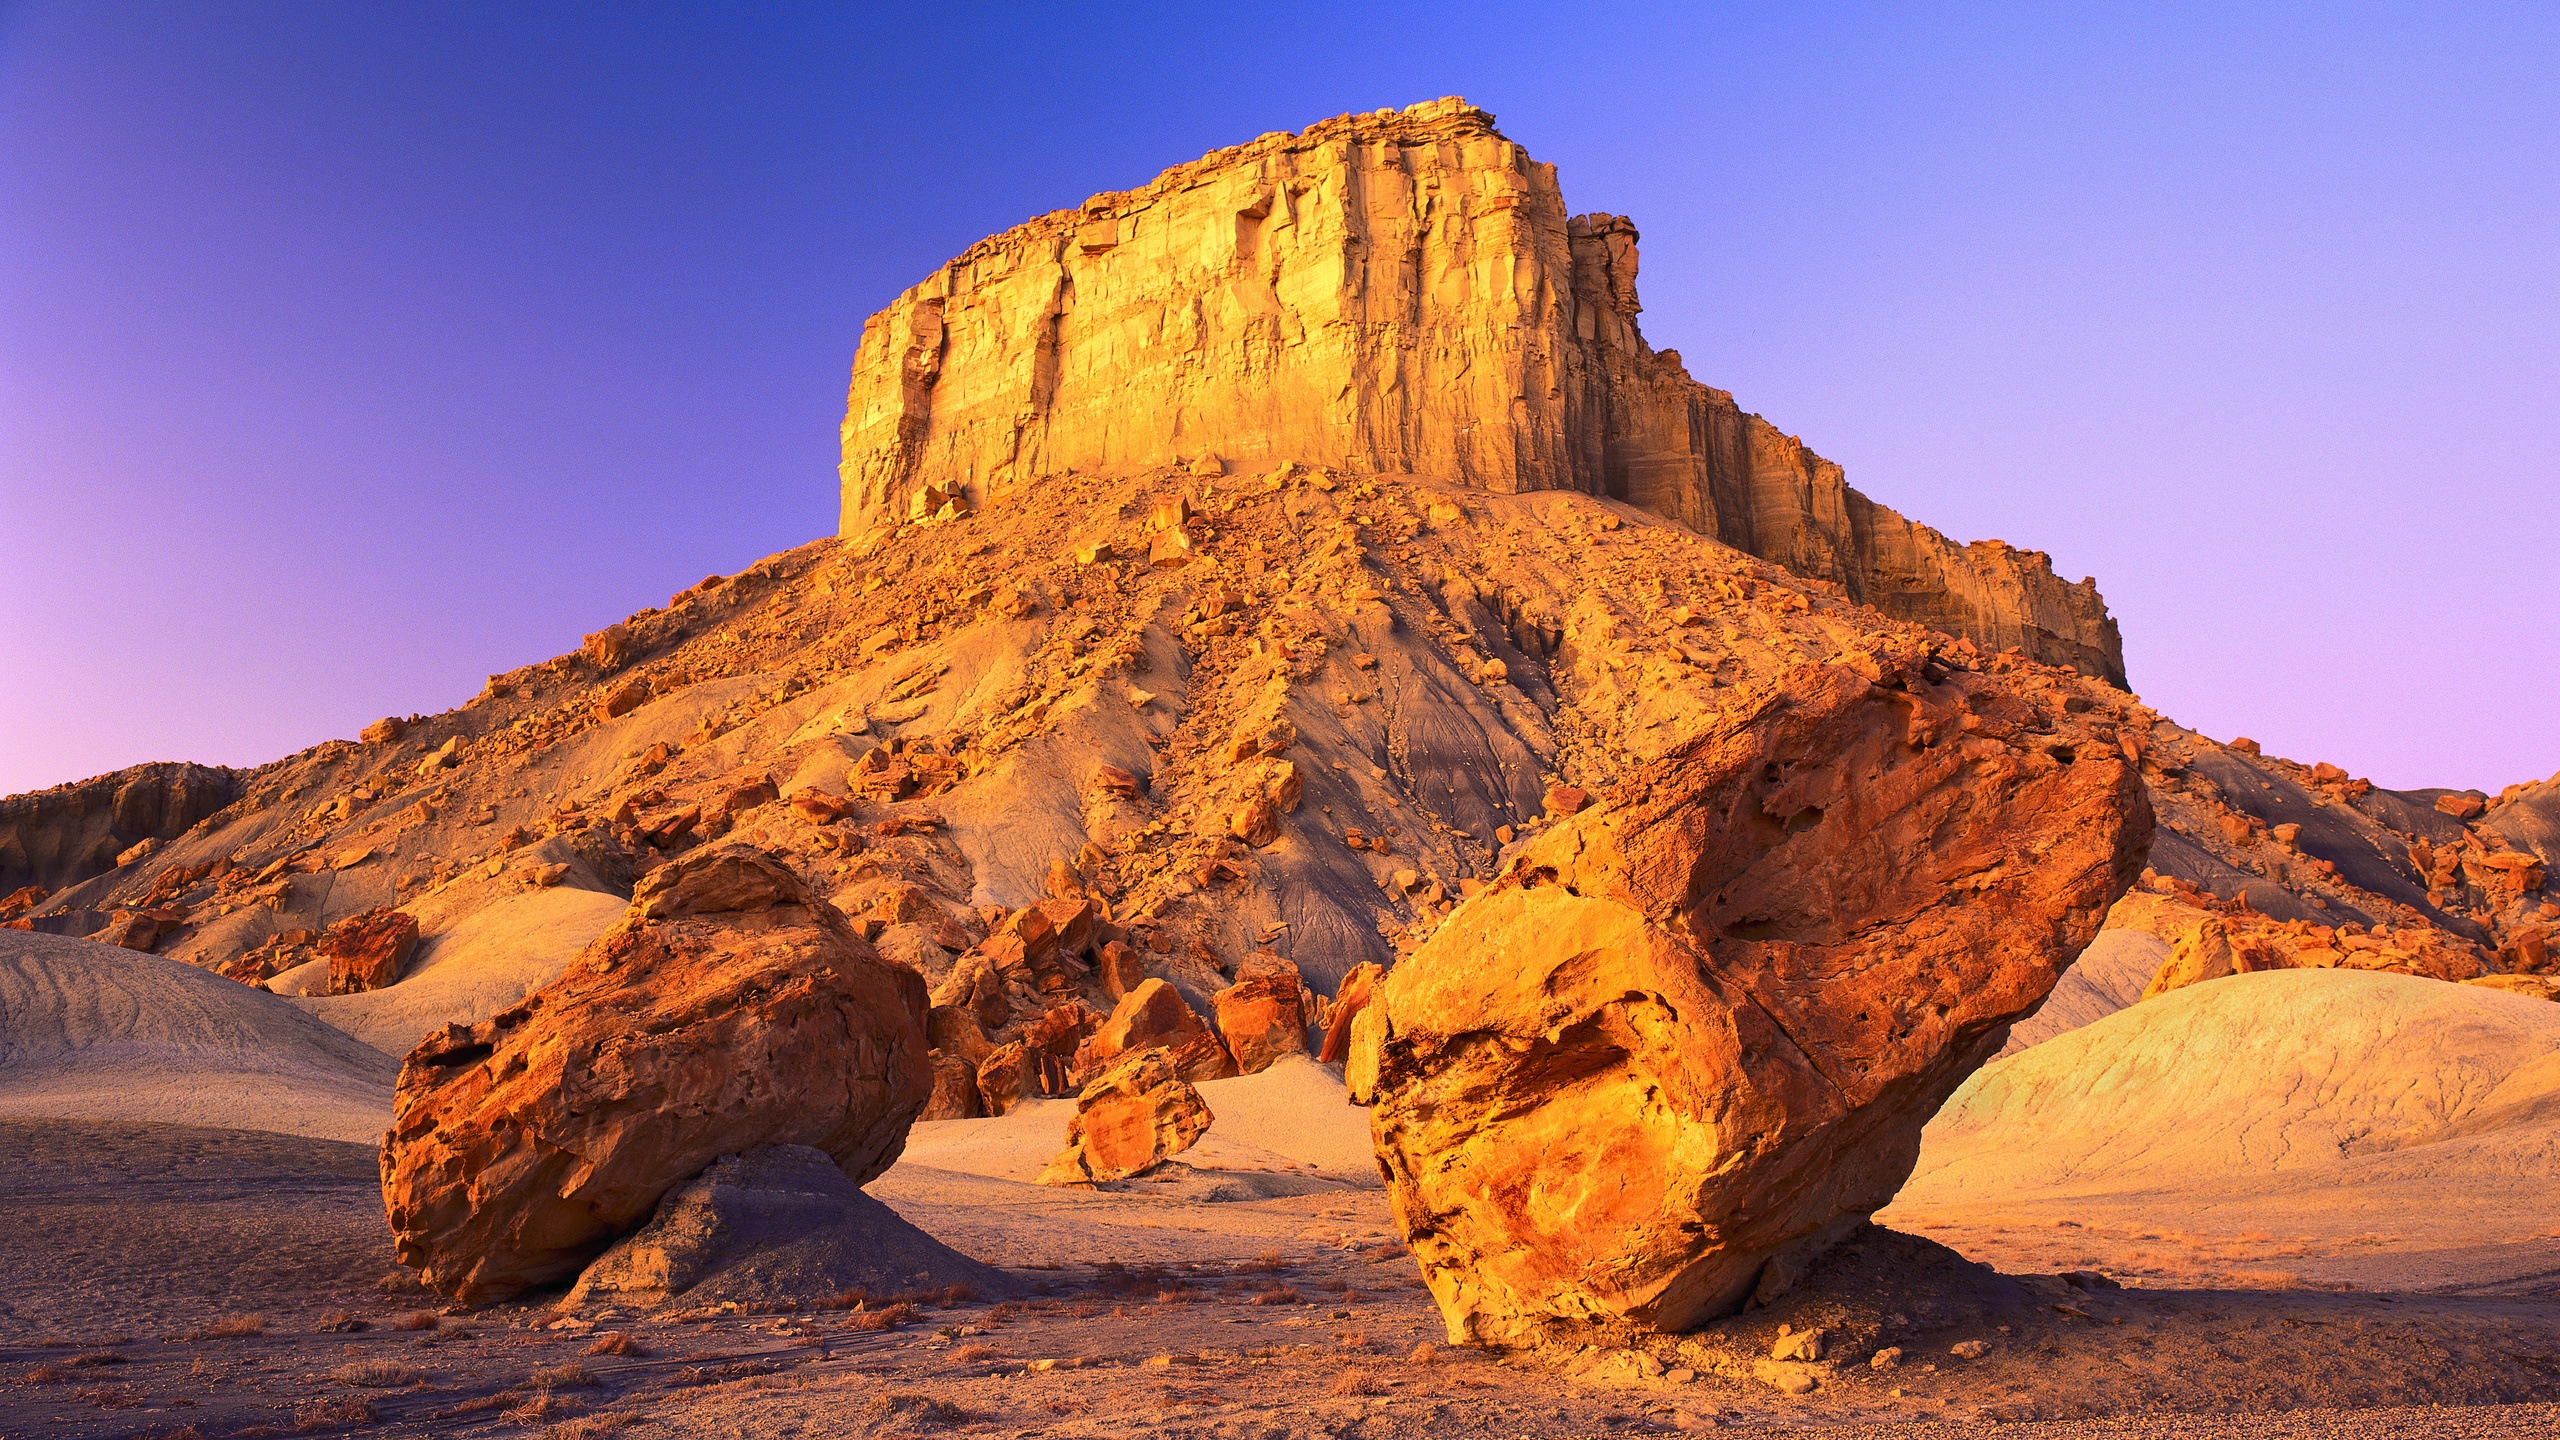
x: 1423, y: 1354
x: 418, y: 1320
x: 1269, y: 1262
x: 617, y: 1342
x: 959, y: 1293
x: 1084, y: 1312
x: 1004, y: 1310
x: 917, y: 1410
x: 543, y: 1406
x: 97, y: 1358
x: 569, y: 1376
x: 1282, y: 1296
x: 339, y: 1322
x: 887, y: 1317
x: 973, y: 1354
x: 500, y: 1401
x: 45, y: 1375
x: 377, y: 1374
x: 111, y: 1397
x: 402, y: 1282
x: 588, y: 1427
x: 333, y: 1411
x: 233, y: 1327
x: 1354, y: 1382
x: 1352, y: 1339
x: 845, y: 1300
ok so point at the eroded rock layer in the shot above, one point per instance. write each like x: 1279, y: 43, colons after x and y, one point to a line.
x: 1691, y: 1036
x: 1401, y: 291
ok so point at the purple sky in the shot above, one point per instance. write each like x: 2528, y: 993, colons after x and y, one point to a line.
x: 350, y: 353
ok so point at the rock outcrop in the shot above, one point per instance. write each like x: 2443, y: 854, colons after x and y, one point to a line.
x: 368, y: 951
x: 1402, y: 291
x: 699, y: 1026
x: 1693, y: 1034
x: 70, y: 833
x: 1135, y: 1114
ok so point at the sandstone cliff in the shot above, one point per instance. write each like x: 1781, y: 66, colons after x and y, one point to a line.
x: 1396, y: 292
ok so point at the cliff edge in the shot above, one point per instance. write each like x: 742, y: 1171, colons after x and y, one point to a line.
x: 1393, y: 292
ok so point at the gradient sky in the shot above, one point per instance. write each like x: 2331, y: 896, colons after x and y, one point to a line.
x: 350, y: 353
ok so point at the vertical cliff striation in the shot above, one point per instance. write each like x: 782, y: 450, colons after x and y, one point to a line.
x: 1395, y: 292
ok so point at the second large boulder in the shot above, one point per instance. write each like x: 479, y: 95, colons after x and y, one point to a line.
x: 1690, y: 1037
x: 731, y: 1009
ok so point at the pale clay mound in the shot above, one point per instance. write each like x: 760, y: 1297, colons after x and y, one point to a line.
x: 2107, y: 977
x: 94, y: 1032
x: 487, y: 961
x: 2323, y: 1106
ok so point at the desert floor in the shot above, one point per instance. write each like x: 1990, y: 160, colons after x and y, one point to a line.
x: 163, y: 1280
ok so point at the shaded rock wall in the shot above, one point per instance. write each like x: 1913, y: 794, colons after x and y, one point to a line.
x: 69, y: 833
x: 1391, y: 292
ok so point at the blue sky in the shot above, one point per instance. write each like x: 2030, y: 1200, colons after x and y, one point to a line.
x: 350, y: 353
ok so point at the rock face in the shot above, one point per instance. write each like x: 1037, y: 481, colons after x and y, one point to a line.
x: 782, y: 1223
x: 59, y: 837
x: 1133, y: 1115
x: 1264, y: 1014
x: 1692, y: 1035
x: 524, y: 1145
x: 1155, y: 1014
x: 367, y: 951
x: 1390, y: 292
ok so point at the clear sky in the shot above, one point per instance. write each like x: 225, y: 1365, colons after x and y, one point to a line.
x: 352, y: 352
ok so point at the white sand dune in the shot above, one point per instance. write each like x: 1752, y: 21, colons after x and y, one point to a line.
x: 94, y: 1032
x: 485, y: 963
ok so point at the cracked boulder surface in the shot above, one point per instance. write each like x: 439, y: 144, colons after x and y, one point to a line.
x: 1689, y: 1038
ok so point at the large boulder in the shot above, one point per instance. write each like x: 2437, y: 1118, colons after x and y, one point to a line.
x: 367, y: 951
x: 1690, y: 1036
x: 731, y: 1009
x: 1263, y: 1014
x: 1134, y: 1115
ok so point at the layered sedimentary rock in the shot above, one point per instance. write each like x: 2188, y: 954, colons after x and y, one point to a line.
x: 1691, y: 1036
x: 58, y: 837
x: 1391, y: 292
x: 702, y: 1025
x: 1135, y: 1114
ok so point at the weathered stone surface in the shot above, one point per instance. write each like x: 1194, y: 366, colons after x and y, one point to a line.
x: 1402, y: 292
x: 1154, y: 1015
x: 1699, y: 1027
x: 773, y: 1225
x: 955, y: 1089
x: 1359, y: 991
x: 1130, y: 1118
x: 58, y: 837
x: 368, y: 951
x: 1264, y: 1014
x: 384, y: 731
x: 523, y: 1146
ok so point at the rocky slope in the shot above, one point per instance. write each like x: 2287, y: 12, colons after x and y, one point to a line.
x: 1057, y: 715
x: 1396, y: 292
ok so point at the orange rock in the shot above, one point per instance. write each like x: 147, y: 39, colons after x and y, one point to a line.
x: 1153, y: 1016
x: 2235, y: 828
x: 1359, y: 991
x: 1255, y: 820
x: 367, y: 951
x: 1264, y: 1014
x: 2461, y: 806
x: 1563, y: 800
x: 1128, y: 1120
x: 522, y: 1146
x: 609, y: 647
x: 1121, y: 970
x: 1006, y: 1076
x: 131, y: 929
x: 739, y: 799
x: 2245, y: 745
x: 2325, y: 773
x: 624, y: 698
x: 901, y: 903
x: 384, y: 731
x: 955, y: 1089
x: 1794, y: 933
x: 1063, y: 882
